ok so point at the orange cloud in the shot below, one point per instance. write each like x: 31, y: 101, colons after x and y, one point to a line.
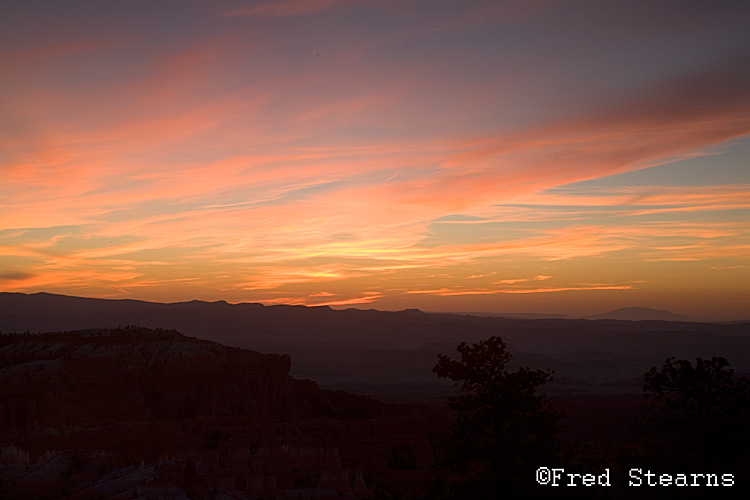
x: 445, y: 292
x: 570, y: 289
x: 312, y: 301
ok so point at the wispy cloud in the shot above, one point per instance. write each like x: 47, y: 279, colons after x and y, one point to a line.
x: 446, y: 292
x: 314, y: 301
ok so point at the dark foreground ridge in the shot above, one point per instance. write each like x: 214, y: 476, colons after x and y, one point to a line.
x: 138, y: 413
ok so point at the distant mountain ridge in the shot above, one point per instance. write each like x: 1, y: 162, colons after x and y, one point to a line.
x: 390, y: 355
x: 640, y: 314
x: 517, y: 315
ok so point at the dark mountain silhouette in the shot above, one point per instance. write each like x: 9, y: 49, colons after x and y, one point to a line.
x: 640, y: 314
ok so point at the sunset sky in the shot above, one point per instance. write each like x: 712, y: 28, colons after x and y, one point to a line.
x: 530, y: 156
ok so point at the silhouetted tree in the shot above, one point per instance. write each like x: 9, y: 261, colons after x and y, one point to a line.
x: 704, y: 401
x: 504, y: 429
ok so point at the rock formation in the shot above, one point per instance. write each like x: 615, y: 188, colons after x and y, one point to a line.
x: 152, y: 413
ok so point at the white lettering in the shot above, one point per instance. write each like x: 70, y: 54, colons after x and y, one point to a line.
x: 635, y: 475
x: 554, y: 477
x: 603, y: 480
x: 638, y: 478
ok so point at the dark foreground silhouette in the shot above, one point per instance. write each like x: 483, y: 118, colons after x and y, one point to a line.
x: 148, y: 413
x: 138, y: 413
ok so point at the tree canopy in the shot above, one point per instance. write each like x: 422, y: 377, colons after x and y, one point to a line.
x: 704, y: 400
x: 503, y: 428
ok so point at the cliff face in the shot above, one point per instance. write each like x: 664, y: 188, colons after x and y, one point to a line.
x: 57, y: 381
x: 79, y: 411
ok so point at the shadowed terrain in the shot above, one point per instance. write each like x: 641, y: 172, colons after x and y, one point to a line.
x: 133, y: 412
x: 144, y: 410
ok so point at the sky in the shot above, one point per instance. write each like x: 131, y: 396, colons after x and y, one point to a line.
x: 479, y: 156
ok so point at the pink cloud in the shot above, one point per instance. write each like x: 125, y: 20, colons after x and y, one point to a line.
x: 45, y: 51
